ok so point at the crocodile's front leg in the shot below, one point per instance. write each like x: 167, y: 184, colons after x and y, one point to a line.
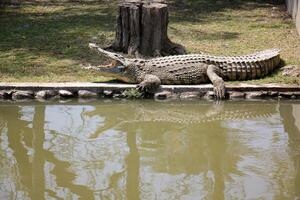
x: 149, y: 84
x: 219, y: 86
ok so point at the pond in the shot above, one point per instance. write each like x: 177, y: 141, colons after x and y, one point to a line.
x: 150, y: 150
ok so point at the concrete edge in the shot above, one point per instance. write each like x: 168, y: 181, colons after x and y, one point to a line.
x: 74, y: 86
x: 84, y: 90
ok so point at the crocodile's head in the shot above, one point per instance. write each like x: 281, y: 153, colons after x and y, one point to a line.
x: 125, y: 69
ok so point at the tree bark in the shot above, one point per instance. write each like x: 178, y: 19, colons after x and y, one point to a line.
x: 142, y: 30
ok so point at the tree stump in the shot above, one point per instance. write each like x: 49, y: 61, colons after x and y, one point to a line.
x: 142, y: 30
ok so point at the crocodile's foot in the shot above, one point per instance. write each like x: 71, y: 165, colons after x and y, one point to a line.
x: 213, y: 73
x: 149, y: 84
x: 144, y: 87
x: 219, y: 89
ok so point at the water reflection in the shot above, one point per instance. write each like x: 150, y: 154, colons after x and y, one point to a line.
x: 150, y: 150
x: 290, y: 115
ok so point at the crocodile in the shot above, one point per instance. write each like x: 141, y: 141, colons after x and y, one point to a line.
x: 188, y: 69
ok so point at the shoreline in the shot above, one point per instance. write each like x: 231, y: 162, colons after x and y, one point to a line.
x: 19, y: 91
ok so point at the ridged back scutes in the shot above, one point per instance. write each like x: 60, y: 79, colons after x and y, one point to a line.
x: 244, y: 67
x: 260, y: 55
x: 255, y: 65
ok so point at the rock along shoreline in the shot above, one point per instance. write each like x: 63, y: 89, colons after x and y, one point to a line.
x: 21, y: 91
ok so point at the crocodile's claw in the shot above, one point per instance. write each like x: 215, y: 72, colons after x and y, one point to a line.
x: 141, y: 87
x: 146, y: 87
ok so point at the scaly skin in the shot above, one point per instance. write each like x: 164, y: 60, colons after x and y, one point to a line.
x: 190, y: 69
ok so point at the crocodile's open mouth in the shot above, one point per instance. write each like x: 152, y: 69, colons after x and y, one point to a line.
x: 116, y: 72
x: 112, y: 70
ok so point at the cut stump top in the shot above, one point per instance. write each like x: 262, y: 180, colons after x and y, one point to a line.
x: 144, y: 1
x: 155, y: 5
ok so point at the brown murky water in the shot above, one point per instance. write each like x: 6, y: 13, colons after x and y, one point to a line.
x: 150, y: 150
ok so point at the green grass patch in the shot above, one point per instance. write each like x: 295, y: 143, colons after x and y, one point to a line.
x: 47, y: 41
x: 133, y: 93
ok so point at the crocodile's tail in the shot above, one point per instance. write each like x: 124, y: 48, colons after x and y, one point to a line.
x: 117, y: 57
x: 251, y: 66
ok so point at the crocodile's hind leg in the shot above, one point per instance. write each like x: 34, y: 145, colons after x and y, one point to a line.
x: 213, y: 73
x: 149, y: 84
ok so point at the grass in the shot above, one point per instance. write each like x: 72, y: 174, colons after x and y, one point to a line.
x: 133, y: 93
x: 46, y: 40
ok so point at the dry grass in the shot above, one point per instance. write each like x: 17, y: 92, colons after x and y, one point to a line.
x: 47, y: 41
